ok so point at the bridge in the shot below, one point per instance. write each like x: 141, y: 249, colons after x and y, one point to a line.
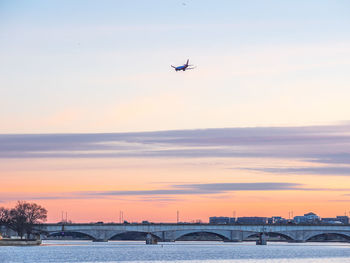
x: 173, y: 232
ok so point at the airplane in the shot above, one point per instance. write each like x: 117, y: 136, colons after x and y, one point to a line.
x: 183, y: 67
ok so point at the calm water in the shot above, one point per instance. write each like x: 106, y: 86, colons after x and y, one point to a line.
x: 213, y: 252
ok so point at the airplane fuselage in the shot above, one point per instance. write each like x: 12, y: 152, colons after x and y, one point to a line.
x: 181, y: 68
x: 184, y: 67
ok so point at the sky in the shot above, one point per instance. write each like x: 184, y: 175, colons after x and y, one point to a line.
x: 93, y: 119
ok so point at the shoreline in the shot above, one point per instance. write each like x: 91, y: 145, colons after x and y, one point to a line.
x: 20, y: 242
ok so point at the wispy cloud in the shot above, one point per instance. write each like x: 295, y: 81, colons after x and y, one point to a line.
x: 159, y: 199
x: 324, y: 144
x: 327, y: 170
x: 173, y: 192
x: 228, y: 187
x: 341, y: 157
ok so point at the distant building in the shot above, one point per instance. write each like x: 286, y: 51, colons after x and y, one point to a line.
x: 309, y: 218
x: 252, y: 220
x: 221, y: 220
x: 343, y: 219
x: 277, y: 220
x: 299, y: 219
x: 232, y: 220
x: 331, y: 221
x: 312, y: 217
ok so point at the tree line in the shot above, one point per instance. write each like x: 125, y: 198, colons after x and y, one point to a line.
x: 23, y: 217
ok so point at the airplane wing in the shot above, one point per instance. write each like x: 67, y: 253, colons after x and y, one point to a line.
x: 172, y: 66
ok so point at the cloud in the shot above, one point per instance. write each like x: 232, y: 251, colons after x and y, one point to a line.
x: 159, y: 199
x: 198, y: 189
x: 323, y: 144
x: 324, y: 170
x: 333, y: 158
x: 223, y: 187
x: 211, y: 189
x: 41, y: 196
x: 172, y: 192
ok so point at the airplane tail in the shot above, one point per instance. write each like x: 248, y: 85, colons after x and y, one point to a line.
x: 187, y: 62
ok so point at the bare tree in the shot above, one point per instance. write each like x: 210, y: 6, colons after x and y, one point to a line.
x: 24, y: 216
x: 35, y: 214
x: 4, y: 215
x: 17, y: 220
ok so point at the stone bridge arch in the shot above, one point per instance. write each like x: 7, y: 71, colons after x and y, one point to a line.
x: 154, y: 234
x: 94, y: 234
x: 66, y: 233
x: 285, y: 235
x: 224, y: 234
x: 311, y: 234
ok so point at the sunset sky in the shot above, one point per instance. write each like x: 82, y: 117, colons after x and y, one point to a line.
x: 93, y: 120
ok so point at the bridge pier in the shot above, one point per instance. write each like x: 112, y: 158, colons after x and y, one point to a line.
x: 150, y: 240
x: 262, y: 239
x: 100, y: 240
x: 296, y: 241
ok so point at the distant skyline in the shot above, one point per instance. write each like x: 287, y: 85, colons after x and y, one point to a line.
x: 93, y: 119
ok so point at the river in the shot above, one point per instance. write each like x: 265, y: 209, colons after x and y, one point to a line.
x: 191, y: 252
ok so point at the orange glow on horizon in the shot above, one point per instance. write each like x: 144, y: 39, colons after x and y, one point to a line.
x: 66, y: 184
